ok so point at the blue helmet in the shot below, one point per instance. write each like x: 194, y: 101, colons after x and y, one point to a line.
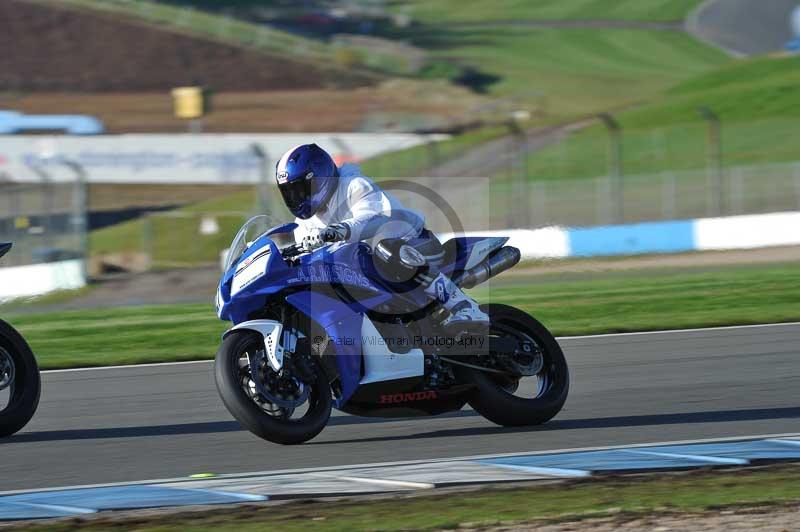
x: 307, y: 176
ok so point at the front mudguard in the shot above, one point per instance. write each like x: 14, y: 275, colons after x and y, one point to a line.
x: 271, y: 331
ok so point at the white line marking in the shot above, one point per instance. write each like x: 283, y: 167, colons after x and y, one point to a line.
x: 344, y: 468
x: 678, y: 331
x: 545, y: 471
x: 691, y: 457
x: 788, y: 442
x: 589, y: 336
x: 56, y: 507
x: 243, y: 496
x: 384, y: 482
x: 131, y: 366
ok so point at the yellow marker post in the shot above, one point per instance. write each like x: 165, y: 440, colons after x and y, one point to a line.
x: 190, y: 103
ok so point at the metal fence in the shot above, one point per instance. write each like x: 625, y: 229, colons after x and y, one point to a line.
x: 664, y: 196
x: 183, y: 238
x: 46, y: 221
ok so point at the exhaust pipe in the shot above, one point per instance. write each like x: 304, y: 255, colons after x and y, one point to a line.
x: 501, y: 260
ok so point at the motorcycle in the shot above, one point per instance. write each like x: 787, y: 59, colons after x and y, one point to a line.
x: 336, y: 327
x: 19, y: 374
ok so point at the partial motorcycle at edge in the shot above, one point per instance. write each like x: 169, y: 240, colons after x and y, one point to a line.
x: 19, y: 374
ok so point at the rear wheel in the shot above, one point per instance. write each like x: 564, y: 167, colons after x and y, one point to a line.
x: 19, y: 381
x: 530, y: 400
x: 278, y: 407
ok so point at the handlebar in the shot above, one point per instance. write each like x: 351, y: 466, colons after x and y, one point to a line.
x: 329, y: 236
x: 292, y: 250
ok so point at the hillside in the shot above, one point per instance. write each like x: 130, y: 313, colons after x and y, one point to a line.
x: 757, y: 101
x: 91, y: 51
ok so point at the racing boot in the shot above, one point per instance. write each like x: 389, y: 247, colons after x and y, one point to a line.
x: 463, y: 310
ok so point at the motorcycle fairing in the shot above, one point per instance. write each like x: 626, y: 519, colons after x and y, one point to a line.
x: 349, y: 331
x: 251, y: 297
x: 323, y: 267
x: 343, y: 327
x: 283, y: 228
x: 348, y: 268
x: 383, y: 364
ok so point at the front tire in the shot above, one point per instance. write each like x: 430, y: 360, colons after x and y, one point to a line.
x: 25, y: 387
x: 259, y: 418
x: 492, y: 398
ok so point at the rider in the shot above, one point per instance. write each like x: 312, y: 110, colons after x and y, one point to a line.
x: 339, y: 204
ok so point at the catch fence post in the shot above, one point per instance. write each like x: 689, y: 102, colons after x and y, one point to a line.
x: 615, y: 167
x: 262, y: 188
x: 715, y: 170
x: 433, y: 157
x: 796, y: 173
x: 148, y: 238
x: 46, y: 195
x: 669, y: 196
x: 540, y: 202
x: 736, y: 187
x: 518, y: 174
x: 80, y: 214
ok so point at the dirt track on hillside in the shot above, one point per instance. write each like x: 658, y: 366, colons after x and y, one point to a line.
x: 266, y: 110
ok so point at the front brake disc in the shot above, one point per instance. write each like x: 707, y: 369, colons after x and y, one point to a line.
x: 265, y: 379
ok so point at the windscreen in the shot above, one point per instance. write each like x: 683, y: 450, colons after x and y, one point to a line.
x: 249, y: 233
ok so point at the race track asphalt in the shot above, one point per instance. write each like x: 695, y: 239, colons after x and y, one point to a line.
x: 744, y: 27
x: 111, y: 425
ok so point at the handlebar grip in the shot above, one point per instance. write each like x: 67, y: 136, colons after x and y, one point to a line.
x: 292, y: 250
x: 329, y: 236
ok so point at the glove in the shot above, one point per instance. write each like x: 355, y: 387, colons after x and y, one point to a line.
x: 332, y: 233
x: 335, y: 233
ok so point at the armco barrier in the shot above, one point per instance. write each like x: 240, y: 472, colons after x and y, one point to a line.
x: 38, y: 279
x: 733, y: 232
x: 660, y: 237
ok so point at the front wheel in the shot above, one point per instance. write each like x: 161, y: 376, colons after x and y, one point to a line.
x: 531, y: 400
x: 278, y: 407
x: 19, y: 380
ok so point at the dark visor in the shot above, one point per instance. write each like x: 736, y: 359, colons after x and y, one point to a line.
x: 295, y: 193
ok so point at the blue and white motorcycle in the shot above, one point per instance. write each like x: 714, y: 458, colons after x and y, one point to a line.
x: 20, y: 383
x: 337, y: 327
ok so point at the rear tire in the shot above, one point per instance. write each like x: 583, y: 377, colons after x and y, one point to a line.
x: 250, y: 414
x: 499, y: 406
x: 26, y: 388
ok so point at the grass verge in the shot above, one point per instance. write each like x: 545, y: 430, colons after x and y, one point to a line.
x: 587, y: 304
x: 504, y: 506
